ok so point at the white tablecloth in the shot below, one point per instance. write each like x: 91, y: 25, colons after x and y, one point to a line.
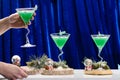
x: 78, y: 75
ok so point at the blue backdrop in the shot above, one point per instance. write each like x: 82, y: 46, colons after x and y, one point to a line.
x: 80, y: 18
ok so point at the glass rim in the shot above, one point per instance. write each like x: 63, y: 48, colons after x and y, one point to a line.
x: 101, y: 35
x: 24, y: 9
x: 59, y: 34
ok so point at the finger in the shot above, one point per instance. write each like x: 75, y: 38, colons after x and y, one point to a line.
x: 32, y: 18
x: 34, y: 14
x: 23, y: 26
x: 29, y: 23
x: 19, y: 77
x: 23, y: 69
x: 13, y: 78
x: 10, y: 77
x: 23, y: 74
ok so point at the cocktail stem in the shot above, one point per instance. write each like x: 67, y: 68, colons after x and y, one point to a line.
x: 61, y: 53
x: 27, y: 39
x: 100, y: 67
x: 99, y: 55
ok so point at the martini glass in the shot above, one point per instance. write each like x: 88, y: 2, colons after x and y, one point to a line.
x: 60, y: 39
x: 100, y: 40
x: 26, y: 15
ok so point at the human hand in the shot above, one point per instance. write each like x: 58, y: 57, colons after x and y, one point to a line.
x: 12, y: 72
x: 16, y: 22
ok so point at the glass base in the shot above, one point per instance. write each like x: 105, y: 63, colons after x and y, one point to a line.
x: 27, y: 45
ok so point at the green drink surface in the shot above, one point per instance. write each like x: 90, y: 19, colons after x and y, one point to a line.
x: 26, y: 15
x: 60, y: 41
x: 100, y: 41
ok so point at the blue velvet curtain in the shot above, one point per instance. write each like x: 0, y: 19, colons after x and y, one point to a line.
x: 80, y: 18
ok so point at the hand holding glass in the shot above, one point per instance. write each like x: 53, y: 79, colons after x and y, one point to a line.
x: 26, y: 15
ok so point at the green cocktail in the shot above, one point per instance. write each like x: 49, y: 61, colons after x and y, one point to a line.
x: 100, y: 41
x: 60, y: 39
x: 26, y: 15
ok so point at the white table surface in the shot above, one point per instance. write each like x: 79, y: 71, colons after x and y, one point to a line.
x: 78, y: 75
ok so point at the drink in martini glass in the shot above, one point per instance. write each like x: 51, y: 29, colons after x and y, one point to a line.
x: 100, y: 40
x: 26, y: 15
x: 60, y: 39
